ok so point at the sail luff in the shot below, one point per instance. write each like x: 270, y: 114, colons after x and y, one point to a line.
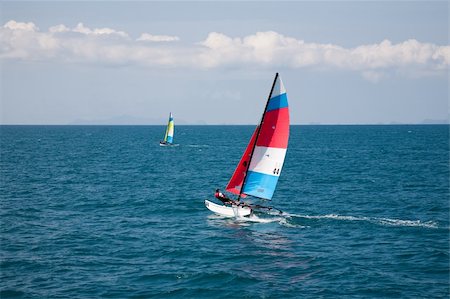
x: 256, y: 137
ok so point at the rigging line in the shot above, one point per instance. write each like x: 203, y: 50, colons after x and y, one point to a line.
x: 256, y: 139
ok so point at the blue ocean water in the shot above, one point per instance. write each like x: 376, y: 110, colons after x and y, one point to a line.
x: 105, y: 212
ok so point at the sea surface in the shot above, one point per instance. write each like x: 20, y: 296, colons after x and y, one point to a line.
x: 105, y: 212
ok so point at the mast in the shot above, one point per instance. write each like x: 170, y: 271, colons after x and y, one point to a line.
x: 257, y: 135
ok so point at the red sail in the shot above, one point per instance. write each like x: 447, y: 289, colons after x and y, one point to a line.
x: 235, y: 183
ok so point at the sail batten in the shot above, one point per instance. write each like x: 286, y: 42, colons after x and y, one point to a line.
x: 266, y: 150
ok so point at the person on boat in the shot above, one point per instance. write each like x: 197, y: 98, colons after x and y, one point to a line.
x: 223, y: 198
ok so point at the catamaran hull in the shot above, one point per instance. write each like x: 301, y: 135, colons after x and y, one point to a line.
x: 233, y: 211
x: 167, y: 144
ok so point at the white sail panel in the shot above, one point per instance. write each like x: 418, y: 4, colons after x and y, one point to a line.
x: 278, y: 89
x: 267, y: 160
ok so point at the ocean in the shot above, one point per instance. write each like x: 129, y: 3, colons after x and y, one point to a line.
x: 105, y: 212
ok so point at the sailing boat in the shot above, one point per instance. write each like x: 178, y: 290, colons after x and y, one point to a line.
x: 260, y: 166
x: 168, y: 137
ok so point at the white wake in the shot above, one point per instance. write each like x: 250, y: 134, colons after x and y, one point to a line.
x: 375, y: 220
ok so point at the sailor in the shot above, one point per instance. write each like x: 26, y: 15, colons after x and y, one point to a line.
x: 222, y: 197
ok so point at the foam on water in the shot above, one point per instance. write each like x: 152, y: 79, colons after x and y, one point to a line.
x: 375, y: 220
x: 399, y: 222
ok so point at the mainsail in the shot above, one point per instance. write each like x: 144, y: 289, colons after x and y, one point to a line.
x: 168, y: 137
x: 260, y: 166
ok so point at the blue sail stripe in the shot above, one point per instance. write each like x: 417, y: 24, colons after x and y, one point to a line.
x: 260, y: 184
x: 278, y: 102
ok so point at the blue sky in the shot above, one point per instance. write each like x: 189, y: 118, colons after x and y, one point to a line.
x: 342, y: 62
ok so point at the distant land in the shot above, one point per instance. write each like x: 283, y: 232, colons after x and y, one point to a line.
x: 126, y: 120
x: 132, y: 120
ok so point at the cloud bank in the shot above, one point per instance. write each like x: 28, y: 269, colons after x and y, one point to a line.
x: 25, y: 41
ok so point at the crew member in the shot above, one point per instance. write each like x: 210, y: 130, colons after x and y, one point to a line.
x: 223, y: 198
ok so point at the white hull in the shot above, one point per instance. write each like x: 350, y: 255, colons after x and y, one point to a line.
x: 228, y: 211
x: 167, y: 144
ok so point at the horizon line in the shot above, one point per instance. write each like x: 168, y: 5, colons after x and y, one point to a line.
x: 186, y: 125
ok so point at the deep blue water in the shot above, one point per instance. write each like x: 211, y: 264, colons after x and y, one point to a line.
x: 105, y: 212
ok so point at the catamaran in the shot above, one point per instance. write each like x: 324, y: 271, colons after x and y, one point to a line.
x: 168, y: 137
x: 260, y: 167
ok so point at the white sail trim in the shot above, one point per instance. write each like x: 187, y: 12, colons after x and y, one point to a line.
x: 267, y: 160
x: 278, y: 88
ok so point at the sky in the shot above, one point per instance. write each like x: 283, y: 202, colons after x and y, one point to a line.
x: 213, y: 62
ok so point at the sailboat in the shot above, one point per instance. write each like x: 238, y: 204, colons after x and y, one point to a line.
x: 260, y: 167
x: 168, y: 137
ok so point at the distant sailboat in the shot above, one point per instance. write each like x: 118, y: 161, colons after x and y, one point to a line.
x: 260, y: 166
x: 168, y: 137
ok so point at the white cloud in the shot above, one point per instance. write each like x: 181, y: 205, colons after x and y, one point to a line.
x: 263, y: 49
x: 80, y: 28
x: 271, y: 48
x: 157, y: 38
x: 58, y: 28
x: 13, y: 25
